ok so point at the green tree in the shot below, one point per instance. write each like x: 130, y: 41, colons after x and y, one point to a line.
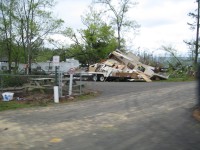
x: 44, y: 55
x: 96, y: 41
x: 25, y: 25
x: 6, y: 28
x: 35, y: 23
x: 119, y: 17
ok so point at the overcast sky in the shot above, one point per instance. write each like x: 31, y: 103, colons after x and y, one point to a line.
x: 163, y: 22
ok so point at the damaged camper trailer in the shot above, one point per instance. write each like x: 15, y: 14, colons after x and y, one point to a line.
x: 125, y: 66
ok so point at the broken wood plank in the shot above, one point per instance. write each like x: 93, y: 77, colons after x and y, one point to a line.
x: 145, y: 77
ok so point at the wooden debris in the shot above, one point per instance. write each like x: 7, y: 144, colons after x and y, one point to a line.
x: 120, y: 64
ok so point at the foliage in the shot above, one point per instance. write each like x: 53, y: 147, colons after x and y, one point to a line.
x: 12, y: 81
x: 12, y: 105
x: 6, y: 28
x: 25, y: 25
x: 181, y: 72
x: 44, y: 55
x: 99, y: 41
x: 36, y: 22
x: 179, y: 79
x: 96, y: 41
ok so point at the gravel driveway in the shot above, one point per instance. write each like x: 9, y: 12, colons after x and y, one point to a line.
x: 109, y: 89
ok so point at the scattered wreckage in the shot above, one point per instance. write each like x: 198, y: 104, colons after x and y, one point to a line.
x: 123, y: 66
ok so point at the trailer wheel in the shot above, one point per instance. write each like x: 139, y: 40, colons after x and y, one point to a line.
x: 101, y: 78
x: 94, y: 77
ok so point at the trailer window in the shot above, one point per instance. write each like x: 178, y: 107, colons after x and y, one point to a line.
x: 130, y: 66
x: 141, y: 68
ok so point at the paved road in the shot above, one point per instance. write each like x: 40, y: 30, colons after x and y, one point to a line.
x: 149, y: 116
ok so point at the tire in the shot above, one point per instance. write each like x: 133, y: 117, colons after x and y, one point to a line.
x: 94, y: 78
x: 101, y: 78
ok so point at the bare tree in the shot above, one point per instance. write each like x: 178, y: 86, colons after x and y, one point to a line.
x: 172, y: 51
x: 119, y: 18
x: 195, y: 26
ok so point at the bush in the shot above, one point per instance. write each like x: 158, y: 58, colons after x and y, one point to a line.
x: 12, y: 81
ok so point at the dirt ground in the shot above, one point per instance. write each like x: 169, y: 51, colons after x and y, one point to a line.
x: 37, y: 97
x: 196, y: 114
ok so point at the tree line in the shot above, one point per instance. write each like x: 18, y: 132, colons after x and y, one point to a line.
x: 27, y: 25
x: 24, y: 25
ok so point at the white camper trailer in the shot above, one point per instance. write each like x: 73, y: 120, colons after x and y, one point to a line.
x: 47, y: 67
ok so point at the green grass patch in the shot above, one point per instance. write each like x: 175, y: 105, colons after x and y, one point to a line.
x: 180, y: 79
x: 12, y: 105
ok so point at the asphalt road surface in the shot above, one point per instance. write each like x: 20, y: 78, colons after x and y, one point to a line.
x: 126, y: 116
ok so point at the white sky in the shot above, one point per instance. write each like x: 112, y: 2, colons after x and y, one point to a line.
x: 163, y: 22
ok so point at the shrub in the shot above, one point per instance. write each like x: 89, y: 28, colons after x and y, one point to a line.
x: 12, y: 81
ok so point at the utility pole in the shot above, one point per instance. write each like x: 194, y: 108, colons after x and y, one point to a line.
x: 196, y: 57
x: 197, y: 36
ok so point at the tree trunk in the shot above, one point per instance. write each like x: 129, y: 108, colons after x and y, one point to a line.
x: 119, y: 38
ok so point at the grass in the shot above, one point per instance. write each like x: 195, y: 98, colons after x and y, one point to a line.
x: 179, y: 79
x: 42, y: 101
x: 12, y: 105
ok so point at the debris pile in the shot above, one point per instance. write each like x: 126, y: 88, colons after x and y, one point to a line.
x: 121, y: 65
